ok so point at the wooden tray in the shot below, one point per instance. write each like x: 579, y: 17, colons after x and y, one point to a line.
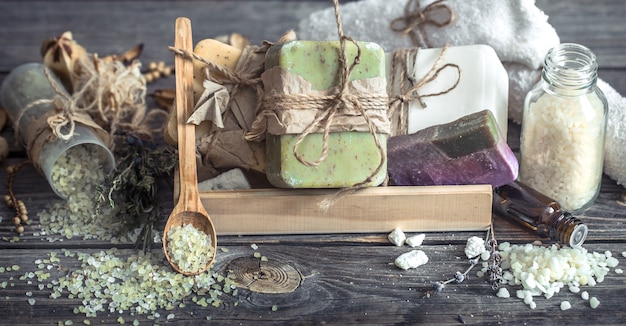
x: 379, y: 209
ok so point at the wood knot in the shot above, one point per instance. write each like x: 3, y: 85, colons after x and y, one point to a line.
x: 271, y: 276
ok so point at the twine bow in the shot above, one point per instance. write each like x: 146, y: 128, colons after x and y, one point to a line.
x: 62, y: 121
x: 241, y: 76
x: 415, y: 19
x: 399, y: 62
x: 341, y: 100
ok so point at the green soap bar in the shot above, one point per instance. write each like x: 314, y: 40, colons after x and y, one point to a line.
x: 353, y: 156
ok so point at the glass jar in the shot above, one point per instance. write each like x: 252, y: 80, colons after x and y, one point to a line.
x: 563, y: 129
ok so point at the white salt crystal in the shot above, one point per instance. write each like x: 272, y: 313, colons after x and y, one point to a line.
x: 475, y: 246
x: 565, y: 305
x: 503, y: 293
x: 397, y: 237
x: 584, y: 295
x: 416, y: 240
x: 411, y: 259
x: 594, y: 302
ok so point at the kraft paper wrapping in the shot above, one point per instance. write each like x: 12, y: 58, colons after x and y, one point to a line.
x: 230, y: 102
x: 291, y: 105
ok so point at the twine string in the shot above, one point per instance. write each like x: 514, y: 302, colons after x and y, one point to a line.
x: 342, y: 99
x: 411, y: 93
x: 415, y: 19
x: 238, y: 78
x: 62, y: 123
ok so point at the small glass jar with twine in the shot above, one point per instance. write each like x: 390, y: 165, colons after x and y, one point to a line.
x: 37, y: 103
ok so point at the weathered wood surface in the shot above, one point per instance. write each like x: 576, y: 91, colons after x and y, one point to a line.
x: 348, y: 278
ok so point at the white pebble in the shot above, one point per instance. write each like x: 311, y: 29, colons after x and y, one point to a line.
x: 397, y: 237
x: 475, y: 246
x: 624, y: 254
x: 411, y: 259
x: 619, y: 271
x: 584, y: 295
x: 565, y: 305
x: 503, y: 293
x: 594, y: 302
x: 416, y: 240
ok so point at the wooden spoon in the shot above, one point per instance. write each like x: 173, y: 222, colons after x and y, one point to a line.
x: 188, y: 208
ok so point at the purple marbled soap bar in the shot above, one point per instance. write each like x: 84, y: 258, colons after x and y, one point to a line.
x: 470, y: 150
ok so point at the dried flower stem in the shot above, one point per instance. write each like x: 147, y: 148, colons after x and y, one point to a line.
x: 494, y: 269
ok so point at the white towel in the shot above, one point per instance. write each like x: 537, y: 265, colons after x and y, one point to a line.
x: 517, y: 30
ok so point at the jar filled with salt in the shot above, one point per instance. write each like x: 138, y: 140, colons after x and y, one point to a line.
x: 74, y: 160
x: 563, y: 129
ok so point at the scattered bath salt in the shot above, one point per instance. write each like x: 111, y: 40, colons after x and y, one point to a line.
x: 416, y: 240
x: 545, y: 270
x: 475, y: 247
x: 189, y: 248
x: 77, y: 174
x: 254, y: 246
x: 503, y: 293
x: 594, y: 303
x: 397, y: 237
x: 32, y: 301
x: 624, y: 254
x: 140, y: 283
x: 619, y: 271
x: 565, y: 305
x: 411, y: 259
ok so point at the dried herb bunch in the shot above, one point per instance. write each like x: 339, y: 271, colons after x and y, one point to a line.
x: 131, y: 188
x: 494, y: 269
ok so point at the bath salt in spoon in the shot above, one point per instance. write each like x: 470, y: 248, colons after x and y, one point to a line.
x: 189, y: 238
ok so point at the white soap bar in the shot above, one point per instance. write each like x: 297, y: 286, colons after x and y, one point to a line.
x: 483, y: 84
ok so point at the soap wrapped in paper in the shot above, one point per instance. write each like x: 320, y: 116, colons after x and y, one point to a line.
x: 301, y: 86
x: 226, y: 85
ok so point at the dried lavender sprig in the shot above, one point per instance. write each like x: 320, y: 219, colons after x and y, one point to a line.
x: 459, y: 277
x: 494, y: 268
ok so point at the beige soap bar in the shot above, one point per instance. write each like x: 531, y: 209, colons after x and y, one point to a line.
x: 215, y: 52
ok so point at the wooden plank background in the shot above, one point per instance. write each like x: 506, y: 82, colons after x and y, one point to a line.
x: 348, y: 278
